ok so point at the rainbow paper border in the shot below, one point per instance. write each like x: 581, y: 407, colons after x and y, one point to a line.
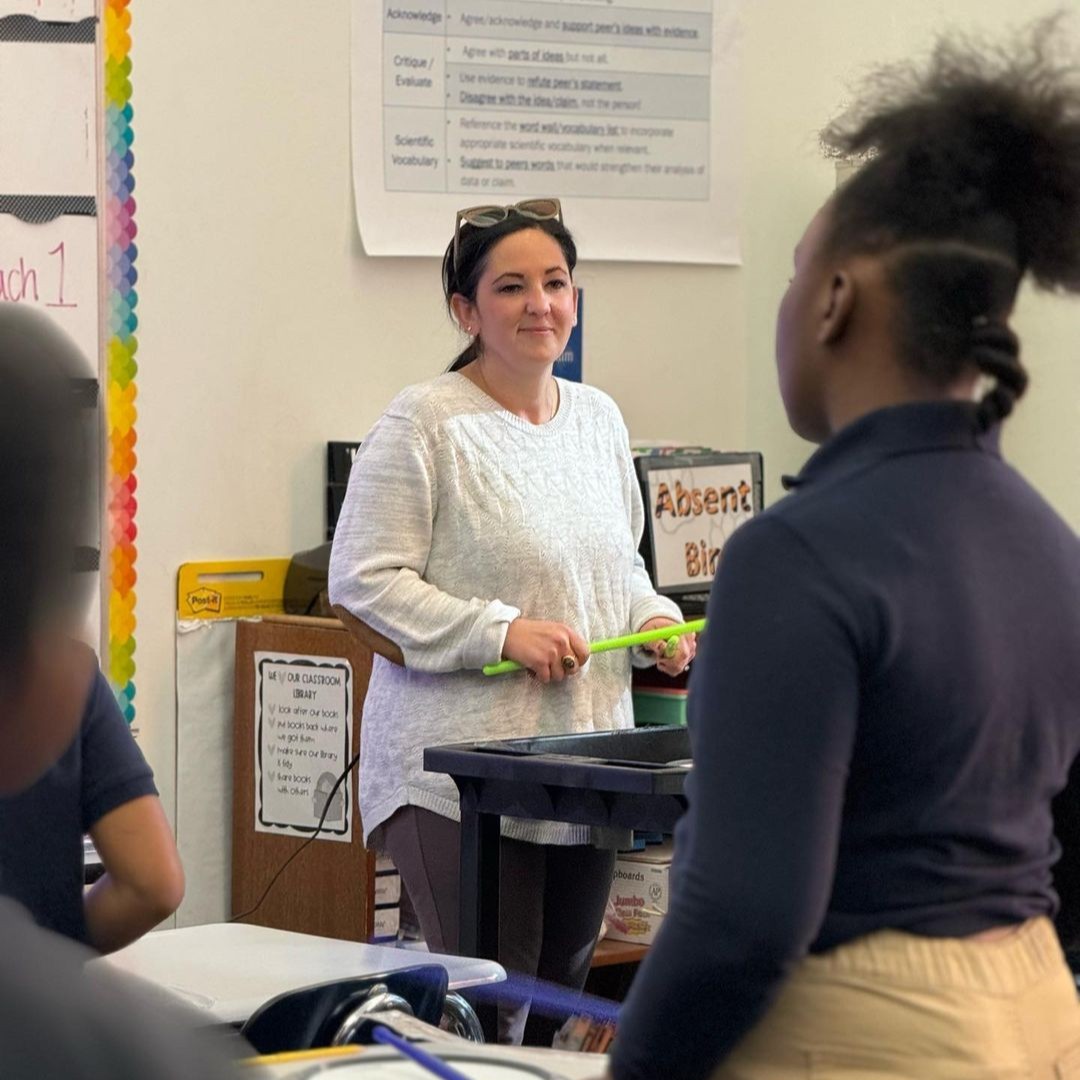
x: 120, y: 347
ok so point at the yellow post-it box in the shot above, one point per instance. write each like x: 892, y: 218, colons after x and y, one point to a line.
x: 231, y: 588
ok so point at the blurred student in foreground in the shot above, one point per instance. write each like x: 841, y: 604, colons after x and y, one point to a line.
x: 56, y: 1019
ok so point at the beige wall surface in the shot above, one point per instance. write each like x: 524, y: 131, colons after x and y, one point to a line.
x: 265, y: 330
x: 801, y: 64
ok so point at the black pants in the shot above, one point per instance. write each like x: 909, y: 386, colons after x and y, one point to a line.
x: 551, y: 905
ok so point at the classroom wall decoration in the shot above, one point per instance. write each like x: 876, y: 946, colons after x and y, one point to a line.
x: 67, y: 247
x: 120, y: 348
x: 48, y: 171
x: 627, y: 110
x: 303, y: 742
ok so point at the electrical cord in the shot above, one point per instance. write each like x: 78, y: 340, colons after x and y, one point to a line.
x: 318, y: 829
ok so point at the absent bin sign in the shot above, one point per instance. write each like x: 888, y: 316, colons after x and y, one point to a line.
x: 303, y: 736
x: 693, y: 510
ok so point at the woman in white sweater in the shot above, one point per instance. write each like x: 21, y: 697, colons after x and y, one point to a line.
x: 494, y: 513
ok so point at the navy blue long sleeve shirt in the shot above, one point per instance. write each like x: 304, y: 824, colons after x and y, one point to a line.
x: 884, y: 704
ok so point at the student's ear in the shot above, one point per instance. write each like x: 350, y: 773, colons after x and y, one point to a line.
x: 41, y: 708
x: 837, y: 308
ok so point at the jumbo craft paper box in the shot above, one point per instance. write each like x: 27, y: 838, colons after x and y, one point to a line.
x: 639, y: 893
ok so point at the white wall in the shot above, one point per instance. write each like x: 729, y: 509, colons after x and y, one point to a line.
x: 265, y: 330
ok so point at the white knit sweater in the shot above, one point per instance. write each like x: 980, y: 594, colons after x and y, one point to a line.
x: 459, y: 517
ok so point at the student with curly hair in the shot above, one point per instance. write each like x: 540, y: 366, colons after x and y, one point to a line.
x: 888, y: 697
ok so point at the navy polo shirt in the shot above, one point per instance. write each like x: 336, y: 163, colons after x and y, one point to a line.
x: 41, y: 830
x: 885, y: 703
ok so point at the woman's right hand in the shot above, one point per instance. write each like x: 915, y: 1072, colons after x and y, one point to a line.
x: 546, y: 649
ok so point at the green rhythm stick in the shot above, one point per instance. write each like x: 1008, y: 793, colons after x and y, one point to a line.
x: 661, y: 633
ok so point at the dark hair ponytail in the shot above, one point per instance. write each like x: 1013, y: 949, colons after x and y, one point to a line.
x: 971, y: 179
x: 996, y: 351
x: 473, y: 248
x: 467, y: 355
x: 953, y: 299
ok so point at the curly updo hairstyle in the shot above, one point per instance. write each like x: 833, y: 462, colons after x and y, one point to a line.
x: 971, y: 179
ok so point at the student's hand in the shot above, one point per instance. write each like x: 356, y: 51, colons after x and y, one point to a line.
x: 685, y: 648
x: 551, y: 651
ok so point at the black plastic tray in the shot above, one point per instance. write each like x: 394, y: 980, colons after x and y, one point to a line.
x: 637, y: 760
x: 648, y: 747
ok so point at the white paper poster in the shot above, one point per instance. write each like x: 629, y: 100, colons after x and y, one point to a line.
x: 692, y: 514
x: 47, y: 118
x: 48, y: 184
x: 303, y: 739
x: 626, y: 110
x: 49, y: 10
x: 53, y: 266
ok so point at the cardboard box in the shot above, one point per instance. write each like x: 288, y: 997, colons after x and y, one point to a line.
x: 387, y: 888
x: 387, y: 899
x: 639, y: 893
x: 331, y: 891
x: 387, y: 921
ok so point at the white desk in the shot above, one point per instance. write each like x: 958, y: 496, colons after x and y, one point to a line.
x: 481, y: 1063
x: 227, y: 970
x: 92, y: 867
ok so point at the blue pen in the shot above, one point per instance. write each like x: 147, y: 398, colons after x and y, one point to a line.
x: 384, y: 1035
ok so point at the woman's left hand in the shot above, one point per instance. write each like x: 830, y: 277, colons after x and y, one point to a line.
x: 685, y: 648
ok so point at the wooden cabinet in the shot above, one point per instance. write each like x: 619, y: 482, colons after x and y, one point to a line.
x: 329, y: 887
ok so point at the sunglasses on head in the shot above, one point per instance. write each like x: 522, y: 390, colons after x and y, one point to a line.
x: 483, y: 217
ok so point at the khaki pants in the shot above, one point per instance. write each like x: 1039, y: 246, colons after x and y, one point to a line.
x: 892, y: 1005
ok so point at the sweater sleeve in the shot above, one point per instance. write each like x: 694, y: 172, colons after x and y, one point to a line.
x: 773, y: 706
x: 380, y: 553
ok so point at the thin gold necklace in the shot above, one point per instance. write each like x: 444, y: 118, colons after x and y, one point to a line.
x: 553, y: 395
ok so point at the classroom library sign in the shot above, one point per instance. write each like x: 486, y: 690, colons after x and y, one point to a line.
x: 303, y: 736
x: 626, y: 110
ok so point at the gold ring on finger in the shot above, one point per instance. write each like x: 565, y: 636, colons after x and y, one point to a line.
x: 569, y: 662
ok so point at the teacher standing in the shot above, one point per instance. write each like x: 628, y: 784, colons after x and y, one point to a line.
x: 494, y: 513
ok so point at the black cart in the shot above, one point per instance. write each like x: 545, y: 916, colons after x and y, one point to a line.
x: 630, y: 779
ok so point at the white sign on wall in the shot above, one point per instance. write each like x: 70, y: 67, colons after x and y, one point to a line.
x: 51, y: 10
x: 626, y: 110
x: 692, y: 513
x: 48, y: 118
x: 53, y: 266
x: 303, y: 740
x: 49, y: 255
